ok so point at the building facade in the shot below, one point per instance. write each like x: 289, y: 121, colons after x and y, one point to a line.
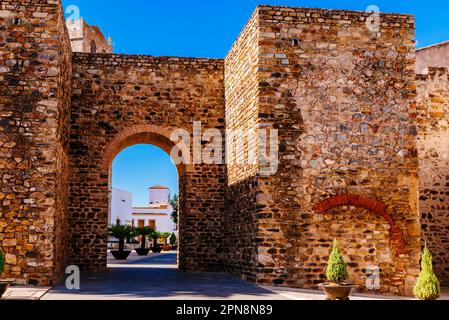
x: 434, y: 56
x: 121, y: 207
x: 156, y: 215
x: 359, y: 140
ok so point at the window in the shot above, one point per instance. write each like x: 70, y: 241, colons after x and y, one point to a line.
x: 141, y: 223
x: 119, y: 222
x: 152, y: 224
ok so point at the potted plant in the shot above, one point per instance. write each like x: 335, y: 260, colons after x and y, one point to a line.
x: 165, y: 236
x: 336, y: 274
x: 143, y: 233
x: 121, y: 232
x: 173, y: 242
x: 156, y: 235
x: 427, y: 286
x: 3, y: 284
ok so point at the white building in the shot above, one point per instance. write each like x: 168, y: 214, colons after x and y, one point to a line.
x: 121, y: 209
x: 157, y: 215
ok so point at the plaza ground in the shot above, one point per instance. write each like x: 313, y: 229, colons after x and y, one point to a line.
x: 156, y: 277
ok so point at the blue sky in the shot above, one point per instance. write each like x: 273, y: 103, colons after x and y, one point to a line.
x: 139, y: 167
x: 207, y: 28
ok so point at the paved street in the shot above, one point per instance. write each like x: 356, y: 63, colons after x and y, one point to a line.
x: 157, y: 277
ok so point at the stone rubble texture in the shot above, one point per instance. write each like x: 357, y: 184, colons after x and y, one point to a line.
x: 361, y: 150
x: 433, y: 148
x: 119, y: 101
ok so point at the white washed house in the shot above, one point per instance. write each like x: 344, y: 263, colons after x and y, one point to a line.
x: 121, y: 207
x: 157, y: 215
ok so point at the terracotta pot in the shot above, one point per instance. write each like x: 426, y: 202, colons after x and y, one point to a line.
x: 121, y: 255
x: 337, y: 291
x: 142, y: 252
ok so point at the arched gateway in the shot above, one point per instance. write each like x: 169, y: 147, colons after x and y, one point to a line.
x: 136, y: 100
x: 66, y: 115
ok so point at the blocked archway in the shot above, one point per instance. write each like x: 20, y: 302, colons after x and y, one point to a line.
x: 396, y: 235
x: 369, y: 237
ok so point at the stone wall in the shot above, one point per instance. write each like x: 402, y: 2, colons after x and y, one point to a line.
x: 342, y: 100
x: 433, y: 148
x: 341, y: 96
x: 121, y: 100
x: 34, y: 108
x: 241, y: 87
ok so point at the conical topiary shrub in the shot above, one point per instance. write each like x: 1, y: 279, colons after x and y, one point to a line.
x: 336, y: 271
x: 2, y: 262
x: 427, y: 287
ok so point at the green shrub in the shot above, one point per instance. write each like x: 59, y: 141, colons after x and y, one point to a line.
x: 2, y: 262
x: 121, y: 232
x: 144, y: 232
x: 173, y: 239
x: 427, y: 286
x: 336, y: 271
x: 156, y: 235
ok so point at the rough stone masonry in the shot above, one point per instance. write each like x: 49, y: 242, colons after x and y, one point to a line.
x: 342, y: 97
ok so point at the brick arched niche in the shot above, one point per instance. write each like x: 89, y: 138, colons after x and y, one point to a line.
x: 160, y: 137
x: 361, y: 223
x: 396, y: 236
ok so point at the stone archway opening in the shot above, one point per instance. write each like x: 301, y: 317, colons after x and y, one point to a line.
x: 158, y: 137
x: 143, y: 183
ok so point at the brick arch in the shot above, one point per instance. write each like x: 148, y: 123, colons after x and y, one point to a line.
x: 396, y: 235
x: 158, y: 136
